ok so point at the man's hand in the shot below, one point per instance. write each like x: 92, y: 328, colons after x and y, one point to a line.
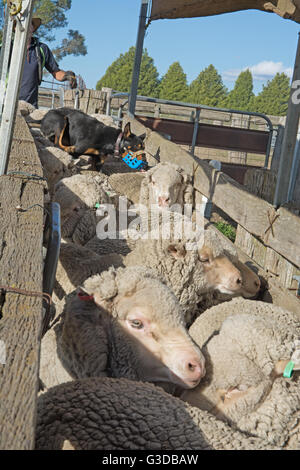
x: 70, y: 76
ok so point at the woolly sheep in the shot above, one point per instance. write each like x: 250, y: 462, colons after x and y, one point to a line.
x: 247, y: 344
x: 25, y: 108
x: 119, y: 414
x: 191, y: 270
x: 77, y: 196
x: 105, y: 119
x: 165, y: 186
x: 129, y: 325
x: 36, y: 115
x: 77, y: 263
x: 129, y: 185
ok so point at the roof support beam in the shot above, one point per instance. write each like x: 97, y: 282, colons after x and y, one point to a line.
x: 138, y: 57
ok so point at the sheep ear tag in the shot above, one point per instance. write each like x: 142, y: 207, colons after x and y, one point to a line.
x: 84, y: 296
x: 134, y: 160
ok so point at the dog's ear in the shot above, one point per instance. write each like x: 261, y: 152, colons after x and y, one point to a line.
x: 142, y: 137
x: 127, y: 130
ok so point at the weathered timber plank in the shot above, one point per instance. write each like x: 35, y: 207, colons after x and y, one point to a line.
x: 261, y: 182
x: 21, y: 266
x: 272, y: 262
x: 277, y: 229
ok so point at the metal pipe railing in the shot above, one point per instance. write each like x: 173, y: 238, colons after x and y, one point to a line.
x: 204, y: 107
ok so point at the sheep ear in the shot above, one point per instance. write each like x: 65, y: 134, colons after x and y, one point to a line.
x: 127, y: 130
x: 176, y: 250
x: 205, y: 254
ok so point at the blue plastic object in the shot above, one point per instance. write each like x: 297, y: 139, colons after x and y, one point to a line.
x: 133, y: 162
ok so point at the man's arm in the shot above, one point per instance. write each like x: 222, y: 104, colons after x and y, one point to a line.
x: 62, y: 76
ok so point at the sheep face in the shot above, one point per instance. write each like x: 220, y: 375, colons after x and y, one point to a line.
x: 217, y: 272
x: 166, y: 352
x: 251, y: 282
x: 145, y: 316
x: 220, y: 272
x: 166, y: 186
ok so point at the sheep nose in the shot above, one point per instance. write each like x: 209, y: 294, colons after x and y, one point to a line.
x: 195, y: 369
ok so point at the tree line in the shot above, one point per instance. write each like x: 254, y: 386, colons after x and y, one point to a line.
x: 207, y: 88
x: 53, y: 16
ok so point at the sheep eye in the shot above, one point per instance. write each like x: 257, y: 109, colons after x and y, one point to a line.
x: 137, y: 324
x: 204, y: 260
x: 76, y: 209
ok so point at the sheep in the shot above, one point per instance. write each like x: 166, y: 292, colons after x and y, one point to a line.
x: 192, y: 269
x: 78, y: 196
x: 166, y: 186
x: 163, y: 186
x: 124, y: 322
x: 105, y: 119
x: 78, y: 263
x: 247, y: 345
x: 119, y: 414
x: 129, y: 186
x: 25, y: 108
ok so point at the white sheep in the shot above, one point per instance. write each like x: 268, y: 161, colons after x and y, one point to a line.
x: 78, y: 263
x: 78, y: 196
x: 119, y: 414
x: 193, y: 261
x: 105, y: 119
x: 166, y: 186
x: 163, y: 186
x: 25, y: 108
x: 123, y: 322
x: 247, y: 345
x: 129, y: 185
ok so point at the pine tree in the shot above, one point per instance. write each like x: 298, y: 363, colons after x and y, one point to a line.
x: 240, y: 97
x: 208, y: 88
x: 118, y: 75
x: 273, y: 99
x: 173, y: 85
x: 53, y: 16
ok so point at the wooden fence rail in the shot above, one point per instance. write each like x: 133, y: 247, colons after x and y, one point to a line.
x: 21, y: 263
x: 278, y: 230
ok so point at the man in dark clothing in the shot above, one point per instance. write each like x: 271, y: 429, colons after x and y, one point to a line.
x: 33, y: 65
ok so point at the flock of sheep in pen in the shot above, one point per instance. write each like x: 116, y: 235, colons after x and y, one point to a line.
x: 157, y: 343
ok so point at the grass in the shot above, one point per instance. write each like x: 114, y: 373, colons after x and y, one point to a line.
x: 227, y: 230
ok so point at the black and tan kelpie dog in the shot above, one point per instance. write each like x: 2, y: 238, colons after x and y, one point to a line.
x: 80, y: 134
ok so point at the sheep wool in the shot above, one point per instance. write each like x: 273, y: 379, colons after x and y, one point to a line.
x: 245, y: 344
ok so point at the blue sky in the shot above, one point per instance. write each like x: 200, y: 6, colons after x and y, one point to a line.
x: 263, y: 42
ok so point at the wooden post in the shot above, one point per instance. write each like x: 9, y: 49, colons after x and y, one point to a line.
x: 289, y: 141
x: 14, y: 81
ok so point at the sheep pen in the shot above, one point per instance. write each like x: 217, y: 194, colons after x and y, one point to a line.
x: 85, y: 255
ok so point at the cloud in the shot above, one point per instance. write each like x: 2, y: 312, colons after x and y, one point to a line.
x: 262, y: 71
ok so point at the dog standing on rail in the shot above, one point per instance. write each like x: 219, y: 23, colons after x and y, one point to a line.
x: 78, y: 133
